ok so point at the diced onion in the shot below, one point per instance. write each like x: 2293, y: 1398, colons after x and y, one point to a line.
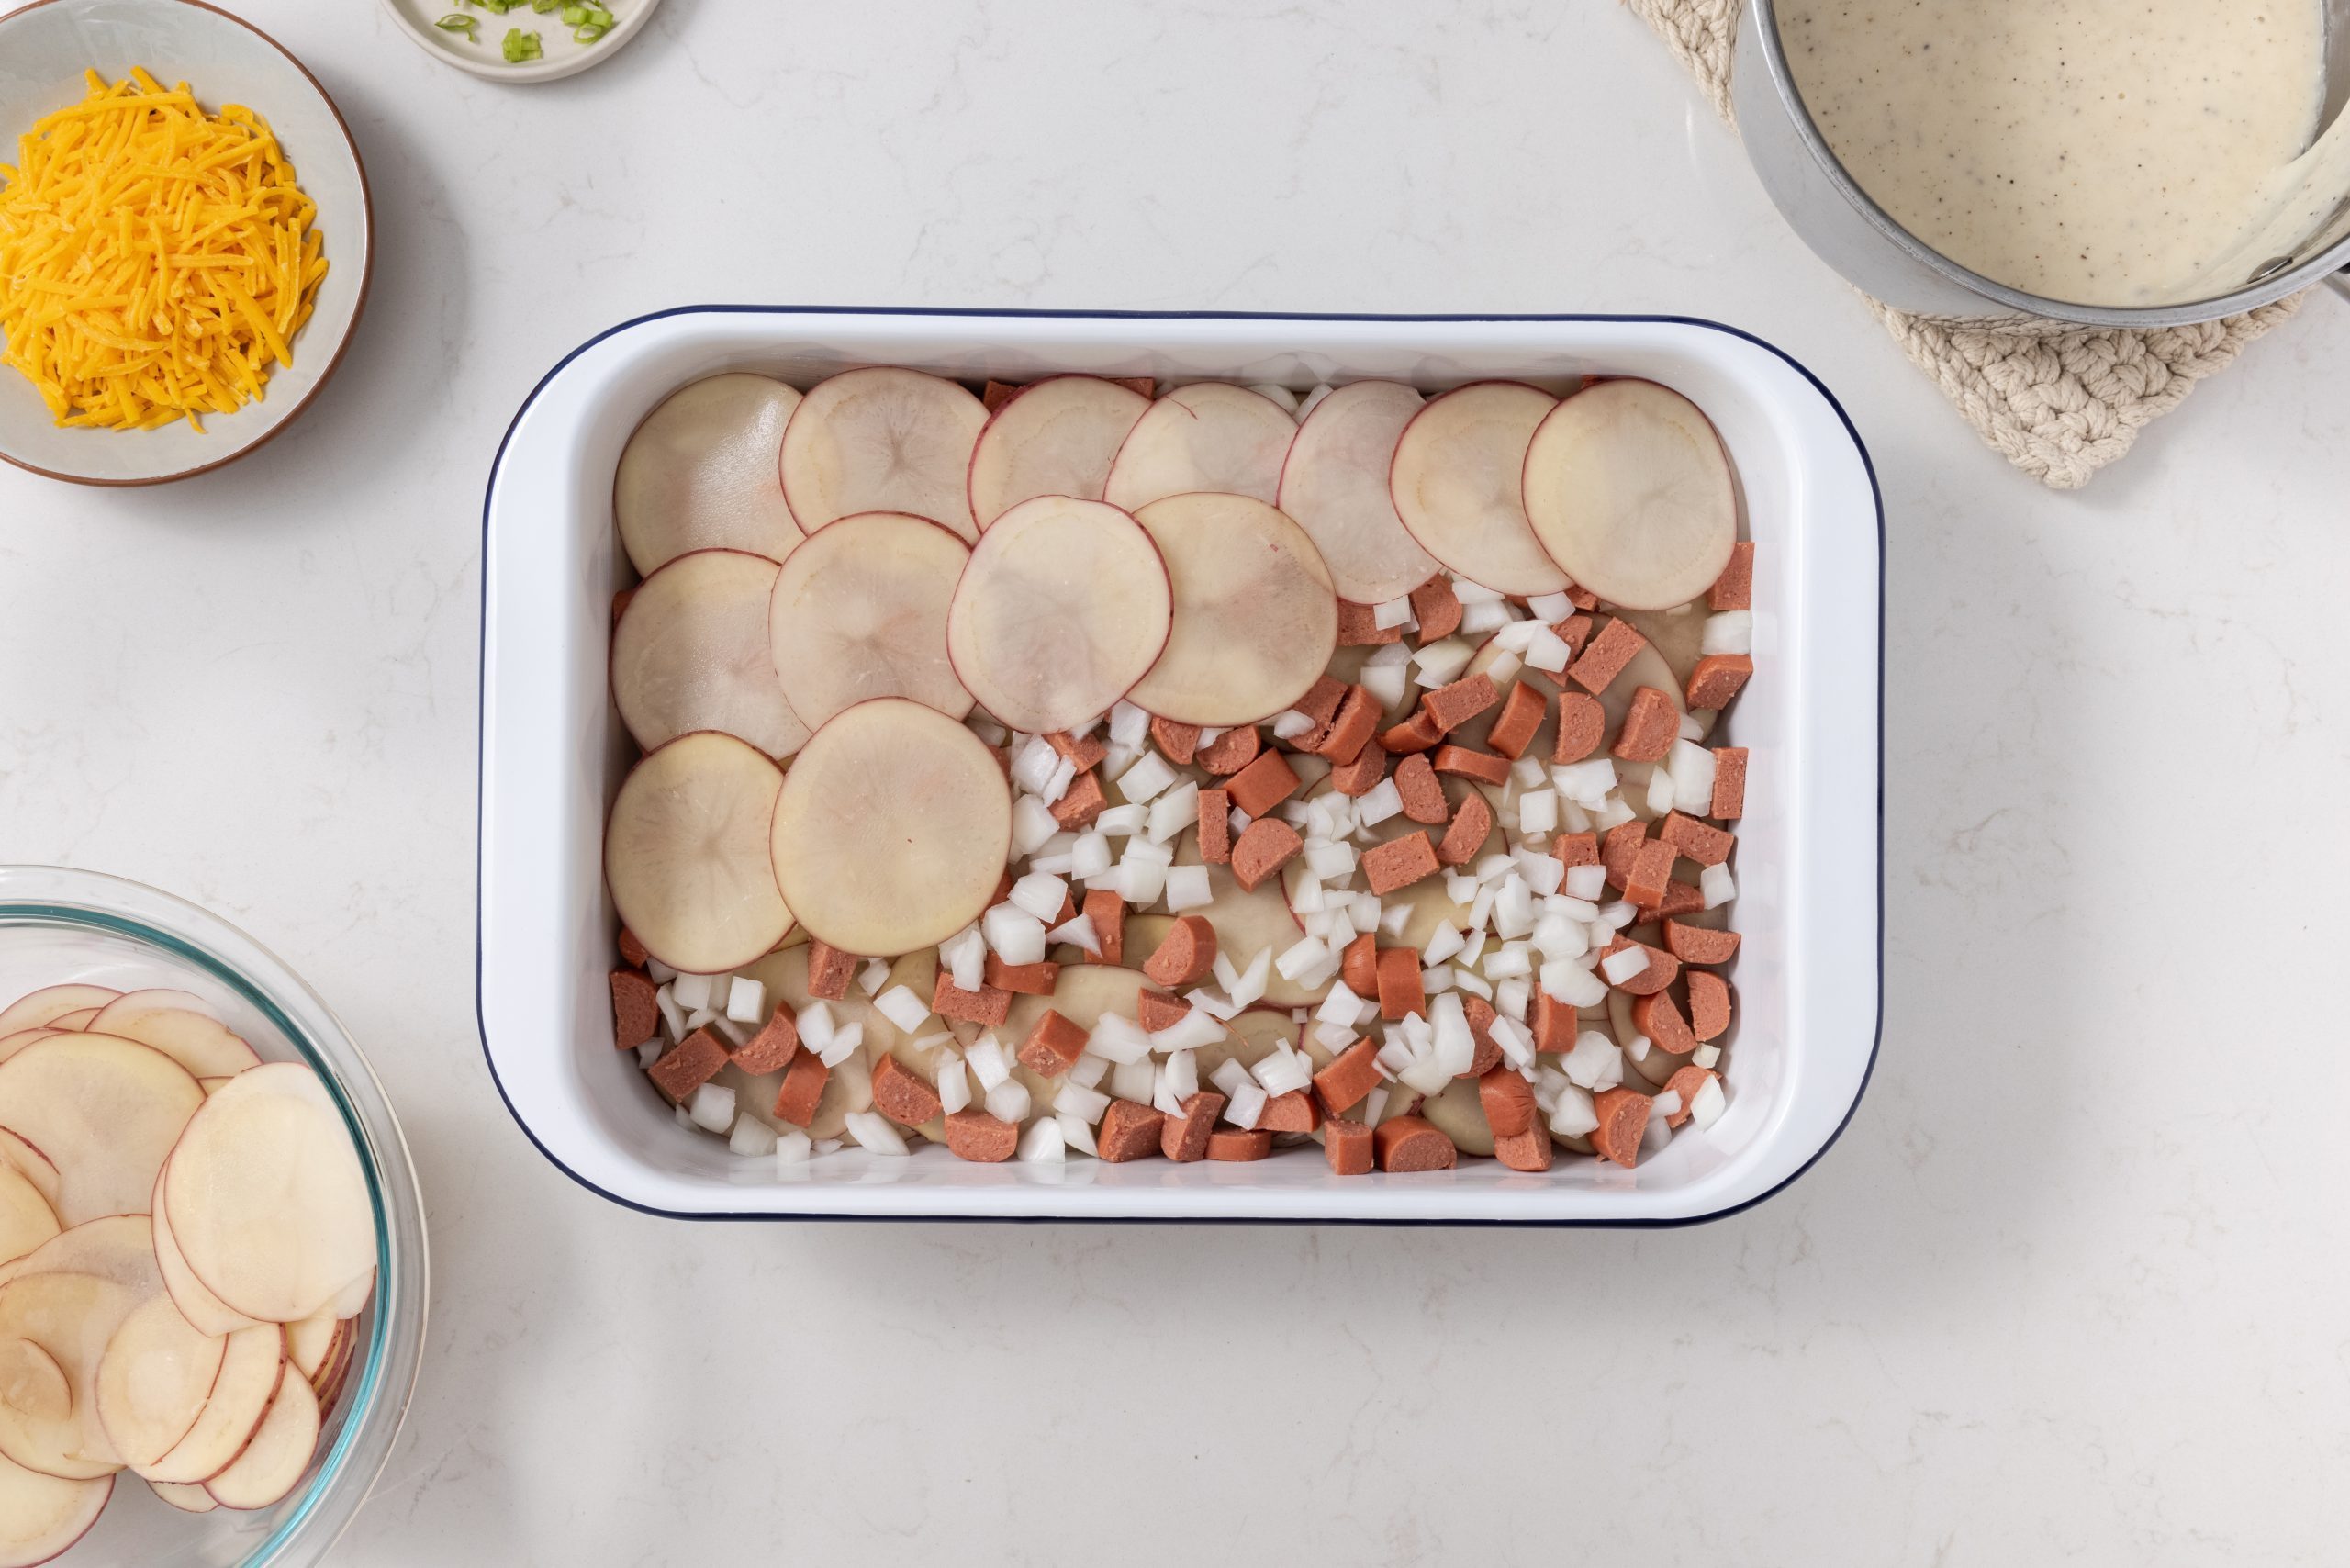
x: 1033, y: 763
x: 954, y: 1087
x: 1187, y: 888
x: 1117, y: 1038
x: 901, y: 1006
x: 872, y: 1131
x: 1132, y: 1080
x: 1289, y: 724
x: 1148, y: 774
x: 712, y: 1107
x: 1585, y: 882
x: 1440, y: 662
x: 1484, y: 617
x: 1728, y: 631
x: 1713, y: 882
x: 1198, y: 1027
x: 1077, y: 933
x: 751, y: 1137
x: 791, y: 1148
x: 1575, y: 1114
x: 1245, y: 1107
x: 1547, y: 652
x: 1087, y: 1104
x: 1039, y: 895
x: 1378, y: 803
x: 1017, y: 936
x: 1008, y: 1101
x: 966, y: 955
x: 1386, y: 683
x: 1394, y: 612
x: 1128, y: 725
x: 1043, y: 1142
x: 693, y: 991
x: 1173, y: 812
x: 1564, y: 980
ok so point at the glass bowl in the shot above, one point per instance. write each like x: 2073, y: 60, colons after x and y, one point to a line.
x: 58, y: 925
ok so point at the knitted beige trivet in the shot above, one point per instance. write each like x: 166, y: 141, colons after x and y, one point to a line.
x: 2059, y: 402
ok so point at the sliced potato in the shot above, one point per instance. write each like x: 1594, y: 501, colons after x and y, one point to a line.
x: 106, y: 1111
x: 691, y: 653
x: 700, y: 473
x: 178, y: 1025
x: 1256, y: 619
x: 41, y: 1515
x: 11, y: 1044
x: 1458, y: 1113
x: 892, y: 829
x: 187, y: 1499
x: 26, y: 1219
x: 44, y: 1007
x: 279, y: 1451
x: 53, y: 1327
x: 153, y: 1380
x: 196, y: 1303
x: 1066, y: 604
x: 685, y: 854
x: 1056, y: 437
x: 882, y: 439
x: 36, y: 1167
x: 860, y: 611
x: 266, y: 1198
x: 251, y: 1365
x: 1334, y: 484
x: 1628, y: 489
x: 1207, y: 436
x: 1459, y: 487
x: 346, y: 1303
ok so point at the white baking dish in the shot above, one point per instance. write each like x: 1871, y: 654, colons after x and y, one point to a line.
x: 553, y: 752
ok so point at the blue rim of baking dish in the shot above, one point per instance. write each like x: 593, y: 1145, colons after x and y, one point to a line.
x: 1876, y: 496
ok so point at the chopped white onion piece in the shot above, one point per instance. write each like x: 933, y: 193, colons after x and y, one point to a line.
x: 1660, y: 792
x: 1381, y: 800
x: 1307, y: 956
x: 1439, y: 662
x: 1612, y: 813
x: 1442, y: 943
x: 1693, y: 779
x: 1667, y: 1104
x: 1547, y: 652
x: 693, y: 991
x: 699, y: 1018
x: 1512, y: 908
x: 650, y: 1052
x: 1575, y: 1114
x: 1386, y: 683
x: 1543, y: 872
x: 873, y: 1131
x: 1511, y: 997
x: 1214, y: 1003
x: 1017, y: 936
x: 1565, y: 980
x: 1198, y: 1027
x: 1472, y: 981
x: 1537, y: 812
x: 1706, y: 1055
x: 1132, y: 1080
x: 901, y: 1006
x: 1043, y: 1141
x: 1118, y: 1038
x: 1289, y: 724
x: 1508, y: 960
x: 1585, y: 782
x: 1556, y: 936
x: 1077, y: 933
x: 1515, y: 1040
x: 1572, y: 817
x: 1063, y: 777
x: 1249, y: 989
x: 1374, y: 1105
x: 1139, y: 882
x: 1039, y: 895
x: 1728, y: 631
x: 1128, y: 723
x: 1008, y: 1101
x: 1180, y: 1075
x: 1485, y: 617
x: 1228, y: 1076
x: 1176, y: 809
x: 1087, y: 1104
x: 791, y: 1148
x: 673, y: 1018
x: 953, y: 1086
x: 987, y: 1060
x: 1460, y: 885
x: 1033, y: 763
x: 712, y: 1108
x: 1246, y: 1106
x: 1514, y: 636
x: 1585, y: 882
x: 1393, y: 613
x: 746, y: 999
x: 751, y: 1137
x: 1456, y: 1047
x: 1617, y: 914
x: 1147, y: 776
x: 1330, y: 860
x: 1342, y: 1007
x: 1594, y: 1063
x: 1282, y: 1071
x: 1075, y: 1132
x: 965, y: 956
x: 1122, y: 822
x: 1187, y: 888
x: 1438, y: 979
x: 661, y: 973
x: 1551, y: 607
x: 1715, y: 883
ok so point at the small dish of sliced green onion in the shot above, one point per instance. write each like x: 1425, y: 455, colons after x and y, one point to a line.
x: 588, y: 20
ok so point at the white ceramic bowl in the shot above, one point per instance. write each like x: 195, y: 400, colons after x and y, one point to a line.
x: 44, y: 48
x: 553, y: 752
x: 561, y: 55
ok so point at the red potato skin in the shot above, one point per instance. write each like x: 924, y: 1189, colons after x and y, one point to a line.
x: 1604, y: 658
x: 1401, y: 992
x: 1437, y: 608
x: 687, y: 1065
x: 829, y: 969
x: 1129, y: 1131
x: 1263, y: 784
x: 903, y: 1094
x: 1424, y: 800
x: 636, y: 1015
x: 1188, y: 952
x: 1184, y: 1138
x: 1349, y: 1075
x: 1734, y: 589
x: 1730, y: 782
x: 1215, y: 827
x: 803, y: 1087
x: 1408, y: 1143
x: 1348, y: 1147
x: 1361, y: 775
x: 1107, y: 911
x: 1697, y: 945
x: 1398, y: 863
x: 1583, y: 724
x: 1472, y: 825
x: 1469, y: 763
x: 984, y: 1139
x: 1234, y: 1145
x: 1269, y: 844
x: 1231, y: 751
x: 772, y: 1048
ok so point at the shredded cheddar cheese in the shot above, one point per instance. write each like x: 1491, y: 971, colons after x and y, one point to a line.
x: 155, y: 262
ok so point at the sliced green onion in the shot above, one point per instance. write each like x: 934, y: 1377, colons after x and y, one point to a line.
x: 598, y: 15
x: 543, y: 6
x: 522, y: 45
x: 574, y: 15
x: 455, y: 22
x: 587, y: 34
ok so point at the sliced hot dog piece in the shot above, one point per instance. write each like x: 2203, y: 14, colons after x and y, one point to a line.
x: 1472, y: 824
x: 1054, y: 437
x: 903, y: 1094
x: 1401, y: 992
x: 635, y: 1013
x: 1185, y: 1137
x: 1232, y: 1143
x: 1232, y: 751
x: 1053, y: 1047
x: 1215, y: 827
x: 1107, y: 911
x: 1348, y: 1147
x: 699, y: 474
x: 1413, y: 1143
x: 1261, y: 852
x: 1507, y: 1100
x: 1185, y: 955
x: 1697, y: 945
x: 1522, y: 714
x: 860, y: 610
x: 1351, y: 729
x: 891, y: 828
x: 1687, y: 1082
x: 1361, y: 775
x: 1734, y: 589
x: 1129, y: 1131
x: 1334, y: 484
x: 691, y: 653
x: 1623, y: 1117
x: 1454, y: 705
x: 977, y: 1137
x: 1468, y: 762
x: 829, y: 970
x: 1717, y: 679
x: 1730, y: 782
x: 1424, y: 799
x: 1437, y: 608
x: 882, y: 439
x: 1065, y: 606
x: 1398, y: 863
x: 1209, y: 436
x: 1583, y: 724
x: 686, y: 858
x: 1709, y: 1005
x: 1627, y: 488
x: 1656, y: 1017
x: 802, y: 1089
x: 1359, y: 966
x: 1457, y: 480
x: 1254, y: 620
x: 1528, y: 1151
x: 1179, y: 744
x: 1263, y: 784
x: 1294, y: 1111
x: 1661, y: 971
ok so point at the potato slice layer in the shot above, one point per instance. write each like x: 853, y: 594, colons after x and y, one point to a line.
x: 279, y: 1451
x: 1627, y: 488
x: 1064, y: 607
x: 176, y: 1023
x: 1457, y: 482
x: 106, y: 1111
x: 1207, y: 436
x: 685, y: 854
x: 691, y: 653
x: 1056, y: 437
x: 699, y: 474
x: 892, y: 828
x: 882, y: 439
x: 1256, y: 619
x: 1335, y: 485
x: 860, y: 611
x: 41, y: 1515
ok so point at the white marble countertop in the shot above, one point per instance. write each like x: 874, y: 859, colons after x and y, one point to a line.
x: 2070, y: 1288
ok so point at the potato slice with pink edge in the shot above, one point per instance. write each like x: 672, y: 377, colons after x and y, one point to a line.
x: 187, y: 1499
x: 43, y: 1007
x: 36, y: 1167
x: 1055, y: 437
x: 250, y: 1364
x: 154, y: 1378
x: 281, y: 1448
x: 1210, y: 435
x: 860, y: 611
x: 1459, y: 487
x: 685, y: 855
x: 179, y: 1025
x: 105, y: 1112
x: 882, y: 439
x: 1065, y: 605
x: 700, y: 473
x: 893, y: 825
x: 311, y: 1341
x: 1256, y: 618
x: 1628, y: 489
x: 266, y: 1198
x: 691, y: 653
x: 41, y: 1515
x: 196, y: 1302
x: 60, y: 1309
x: 1335, y: 485
x: 26, y: 1219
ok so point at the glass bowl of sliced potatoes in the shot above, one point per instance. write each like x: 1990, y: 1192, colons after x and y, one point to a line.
x: 212, y: 1252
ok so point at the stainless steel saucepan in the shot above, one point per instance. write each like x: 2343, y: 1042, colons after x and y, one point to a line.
x: 1828, y: 208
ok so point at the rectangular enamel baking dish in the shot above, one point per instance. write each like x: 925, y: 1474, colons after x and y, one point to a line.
x: 553, y: 753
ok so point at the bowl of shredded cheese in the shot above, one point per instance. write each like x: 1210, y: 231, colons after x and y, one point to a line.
x: 185, y: 239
